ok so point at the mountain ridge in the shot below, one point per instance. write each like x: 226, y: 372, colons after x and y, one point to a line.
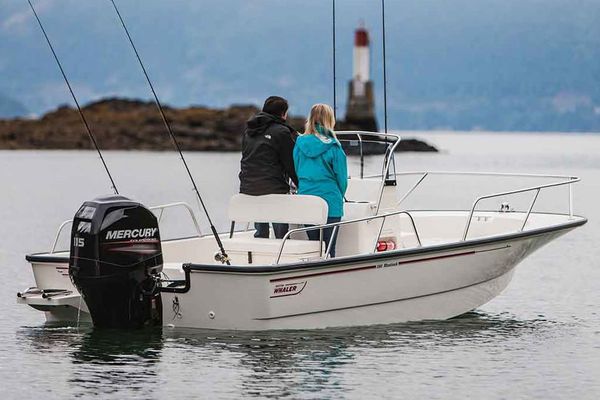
x: 464, y: 65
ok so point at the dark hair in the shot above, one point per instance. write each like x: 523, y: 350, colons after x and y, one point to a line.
x: 275, y: 105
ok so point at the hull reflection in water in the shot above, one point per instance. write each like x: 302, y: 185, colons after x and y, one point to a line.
x: 225, y: 363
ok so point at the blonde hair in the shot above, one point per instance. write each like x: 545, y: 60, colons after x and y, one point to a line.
x: 321, y: 114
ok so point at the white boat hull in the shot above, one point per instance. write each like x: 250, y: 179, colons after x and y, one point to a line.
x: 432, y: 282
x: 430, y: 285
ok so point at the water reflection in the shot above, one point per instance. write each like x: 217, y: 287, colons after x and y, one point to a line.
x: 117, y: 363
x: 116, y: 360
x: 101, y: 361
x: 289, y: 363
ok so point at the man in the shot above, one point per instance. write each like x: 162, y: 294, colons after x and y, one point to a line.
x: 267, y: 162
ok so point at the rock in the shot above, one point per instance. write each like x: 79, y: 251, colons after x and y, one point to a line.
x: 406, y: 145
x: 124, y: 124
x: 411, y: 144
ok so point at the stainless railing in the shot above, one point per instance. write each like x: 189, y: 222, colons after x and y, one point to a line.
x: 424, y: 174
x: 160, y: 207
x: 60, y: 229
x: 537, y: 190
x: 336, y: 226
x: 565, y: 180
x: 392, y: 141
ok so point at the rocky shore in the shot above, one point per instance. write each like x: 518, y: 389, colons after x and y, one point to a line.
x: 121, y: 124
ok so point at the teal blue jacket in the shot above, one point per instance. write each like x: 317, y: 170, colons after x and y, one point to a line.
x: 322, y: 170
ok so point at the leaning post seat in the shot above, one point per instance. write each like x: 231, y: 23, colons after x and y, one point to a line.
x: 363, y: 190
x: 244, y: 248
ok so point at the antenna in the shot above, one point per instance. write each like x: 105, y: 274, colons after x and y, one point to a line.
x: 223, y: 256
x: 334, y: 80
x: 385, y: 118
x: 87, y: 127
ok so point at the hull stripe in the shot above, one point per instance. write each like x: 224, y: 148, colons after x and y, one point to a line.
x: 374, y: 266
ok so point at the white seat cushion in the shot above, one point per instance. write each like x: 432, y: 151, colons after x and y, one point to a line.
x: 278, y: 208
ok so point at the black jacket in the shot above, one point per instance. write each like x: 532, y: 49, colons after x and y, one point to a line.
x: 267, y: 161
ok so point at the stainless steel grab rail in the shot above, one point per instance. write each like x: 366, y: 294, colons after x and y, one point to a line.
x: 567, y: 180
x: 336, y: 226
x: 393, y: 142
x: 160, y: 207
x: 60, y: 228
x: 180, y: 204
x: 425, y: 174
x: 537, y: 188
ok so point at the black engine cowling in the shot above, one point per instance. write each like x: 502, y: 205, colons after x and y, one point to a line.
x: 115, y: 262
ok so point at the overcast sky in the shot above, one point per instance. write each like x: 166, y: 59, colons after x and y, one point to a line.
x: 442, y: 55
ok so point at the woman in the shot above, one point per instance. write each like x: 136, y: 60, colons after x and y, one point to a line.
x: 321, y: 167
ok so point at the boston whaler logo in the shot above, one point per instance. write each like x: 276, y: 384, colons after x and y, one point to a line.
x: 288, y: 289
x: 131, y: 233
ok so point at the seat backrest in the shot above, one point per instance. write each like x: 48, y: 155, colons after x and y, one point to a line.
x: 278, y: 208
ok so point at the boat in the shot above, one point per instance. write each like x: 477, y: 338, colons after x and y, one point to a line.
x: 393, y: 264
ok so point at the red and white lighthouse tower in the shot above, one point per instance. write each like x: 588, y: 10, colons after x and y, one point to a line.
x: 361, y: 65
x: 361, y: 108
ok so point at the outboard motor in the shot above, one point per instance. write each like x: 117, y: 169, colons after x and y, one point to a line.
x: 115, y: 263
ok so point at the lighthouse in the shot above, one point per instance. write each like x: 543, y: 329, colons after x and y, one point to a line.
x: 360, y: 111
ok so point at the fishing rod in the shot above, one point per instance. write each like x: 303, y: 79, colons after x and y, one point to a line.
x: 385, y: 111
x: 385, y: 117
x: 334, y: 80
x: 85, y: 123
x: 223, y: 258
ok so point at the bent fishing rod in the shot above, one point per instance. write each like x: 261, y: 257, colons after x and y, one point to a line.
x: 223, y: 258
x: 85, y: 123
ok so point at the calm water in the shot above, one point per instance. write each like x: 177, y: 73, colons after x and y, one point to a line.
x: 539, y: 339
